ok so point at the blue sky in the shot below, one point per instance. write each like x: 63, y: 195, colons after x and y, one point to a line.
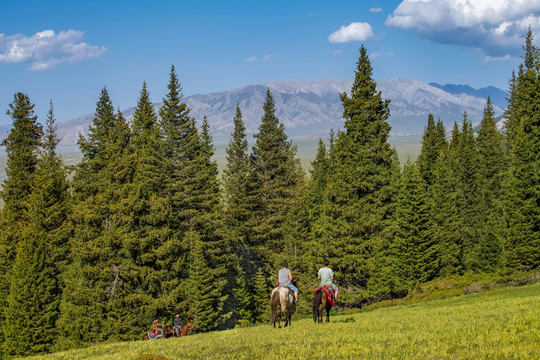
x: 68, y: 50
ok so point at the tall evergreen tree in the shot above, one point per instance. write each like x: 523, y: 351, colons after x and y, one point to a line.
x: 414, y: 250
x: 204, y: 297
x: 243, y: 297
x: 522, y: 241
x: 359, y: 191
x: 35, y: 288
x: 511, y: 122
x: 261, y: 291
x: 468, y: 195
x: 93, y: 149
x: 304, y: 249
x: 433, y: 141
x: 22, y: 145
x: 235, y: 177
x: 33, y: 300
x: 93, y: 306
x: 192, y: 185
x: 275, y: 179
x: 491, y: 170
x: 175, y: 119
x: 445, y: 215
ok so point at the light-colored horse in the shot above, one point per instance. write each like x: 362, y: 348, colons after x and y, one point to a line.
x: 281, y: 303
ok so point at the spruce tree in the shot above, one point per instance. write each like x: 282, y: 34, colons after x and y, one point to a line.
x: 491, y: 171
x: 359, y: 195
x: 34, y: 296
x: 95, y: 158
x: 235, y: 195
x: 243, y: 297
x: 235, y: 177
x: 468, y: 194
x: 433, y: 141
x: 261, y: 298
x: 192, y: 186
x: 33, y: 300
x: 22, y: 145
x: 204, y: 297
x: 303, y: 247
x: 174, y: 115
x: 97, y: 281
x: 445, y: 211
x: 275, y: 181
x: 414, y: 250
x: 522, y: 241
x: 511, y: 121
x: 183, y: 151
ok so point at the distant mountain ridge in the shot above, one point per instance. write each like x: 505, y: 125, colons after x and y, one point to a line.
x: 309, y: 109
x: 497, y: 96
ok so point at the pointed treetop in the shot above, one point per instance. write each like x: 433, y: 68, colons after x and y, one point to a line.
x: 50, y: 140
x: 365, y: 109
x: 531, y: 51
x: 206, y: 138
x: 144, y: 119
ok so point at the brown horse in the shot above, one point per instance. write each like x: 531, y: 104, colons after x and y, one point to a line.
x: 321, y: 303
x: 282, y: 302
x: 187, y: 328
x: 168, y: 332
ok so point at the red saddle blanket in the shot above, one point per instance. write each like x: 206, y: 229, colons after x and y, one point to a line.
x: 153, y: 335
x: 329, y: 294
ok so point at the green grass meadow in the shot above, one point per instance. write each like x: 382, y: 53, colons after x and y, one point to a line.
x: 497, y: 324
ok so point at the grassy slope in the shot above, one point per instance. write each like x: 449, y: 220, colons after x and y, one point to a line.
x: 500, y: 324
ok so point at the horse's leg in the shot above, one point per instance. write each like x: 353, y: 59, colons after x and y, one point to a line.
x: 324, y: 302
x: 274, y: 304
x: 283, y: 311
x: 328, y: 307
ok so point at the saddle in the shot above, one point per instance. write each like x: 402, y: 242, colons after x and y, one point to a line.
x: 290, y: 291
x: 329, y: 294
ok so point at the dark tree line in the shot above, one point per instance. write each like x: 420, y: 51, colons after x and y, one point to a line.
x: 145, y: 228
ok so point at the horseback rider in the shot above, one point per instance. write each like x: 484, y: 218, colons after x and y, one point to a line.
x: 326, y: 275
x: 157, y: 328
x: 285, y: 278
x: 177, y: 325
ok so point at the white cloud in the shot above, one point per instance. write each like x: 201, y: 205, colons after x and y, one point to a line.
x: 497, y: 27
x: 375, y: 10
x: 266, y: 58
x: 251, y: 59
x: 355, y: 31
x: 47, y: 49
x: 501, y: 58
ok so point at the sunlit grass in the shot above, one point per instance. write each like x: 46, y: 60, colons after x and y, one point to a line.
x: 500, y: 324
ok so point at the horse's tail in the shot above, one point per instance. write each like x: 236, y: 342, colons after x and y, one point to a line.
x: 316, y: 304
x: 274, y: 305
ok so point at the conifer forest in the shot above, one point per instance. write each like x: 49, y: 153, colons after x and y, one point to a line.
x: 144, y: 227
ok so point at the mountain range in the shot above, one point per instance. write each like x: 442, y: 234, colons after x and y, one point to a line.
x: 309, y: 109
